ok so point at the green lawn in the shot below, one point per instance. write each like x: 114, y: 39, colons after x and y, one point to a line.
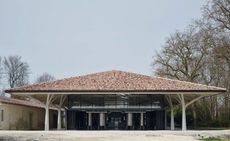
x: 212, y: 128
x: 213, y: 139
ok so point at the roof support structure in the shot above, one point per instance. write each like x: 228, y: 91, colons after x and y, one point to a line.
x: 49, y: 100
x: 184, y: 107
x: 47, y: 113
x: 172, y: 124
x: 62, y: 99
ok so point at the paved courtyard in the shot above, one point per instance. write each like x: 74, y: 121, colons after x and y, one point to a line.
x: 110, y: 135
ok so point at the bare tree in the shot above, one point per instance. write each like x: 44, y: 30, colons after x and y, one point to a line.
x: 45, y: 77
x: 202, y: 54
x: 218, y: 12
x: 17, y: 71
x: 1, y: 69
x: 1, y: 73
x: 185, y: 56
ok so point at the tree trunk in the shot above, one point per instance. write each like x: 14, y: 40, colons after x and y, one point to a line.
x: 194, y: 115
x: 172, y: 119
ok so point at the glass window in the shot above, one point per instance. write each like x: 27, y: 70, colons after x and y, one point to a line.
x: 117, y: 101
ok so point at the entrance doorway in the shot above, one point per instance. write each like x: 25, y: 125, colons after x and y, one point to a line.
x: 95, y: 121
x: 136, y: 121
x: 116, y: 121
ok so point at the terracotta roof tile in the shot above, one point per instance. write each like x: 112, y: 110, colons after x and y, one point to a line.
x: 114, y: 81
x: 14, y: 101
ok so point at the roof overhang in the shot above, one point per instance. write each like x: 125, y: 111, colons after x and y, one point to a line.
x: 41, y: 96
x: 58, y: 92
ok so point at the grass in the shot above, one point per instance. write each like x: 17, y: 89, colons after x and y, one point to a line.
x: 212, y: 139
x: 212, y: 128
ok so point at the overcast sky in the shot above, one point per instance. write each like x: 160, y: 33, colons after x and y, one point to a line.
x: 74, y: 37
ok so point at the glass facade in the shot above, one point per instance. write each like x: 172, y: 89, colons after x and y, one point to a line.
x: 115, y: 111
x: 116, y: 102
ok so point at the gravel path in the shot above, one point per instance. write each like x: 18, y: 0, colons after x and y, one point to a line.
x: 109, y: 135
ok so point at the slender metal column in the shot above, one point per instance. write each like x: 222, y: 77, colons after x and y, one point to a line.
x: 142, y: 120
x: 47, y: 113
x: 184, y: 126
x: 59, y: 114
x: 184, y: 106
x: 169, y: 99
x: 59, y: 119
x: 61, y: 102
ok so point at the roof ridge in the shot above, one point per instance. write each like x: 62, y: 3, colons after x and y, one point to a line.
x: 40, y: 83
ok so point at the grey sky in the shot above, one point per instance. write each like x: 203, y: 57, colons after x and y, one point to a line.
x: 69, y: 38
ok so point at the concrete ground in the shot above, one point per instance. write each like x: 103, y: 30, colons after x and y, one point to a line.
x: 110, y: 135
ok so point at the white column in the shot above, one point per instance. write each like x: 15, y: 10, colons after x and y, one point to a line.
x: 142, y: 119
x: 102, y: 119
x: 59, y: 113
x: 169, y: 99
x: 172, y: 119
x: 59, y: 118
x: 130, y: 119
x: 184, y: 126
x: 89, y: 119
x: 184, y: 106
x: 47, y: 113
x: 61, y: 102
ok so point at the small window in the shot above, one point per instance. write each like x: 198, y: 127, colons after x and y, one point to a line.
x: 2, y: 115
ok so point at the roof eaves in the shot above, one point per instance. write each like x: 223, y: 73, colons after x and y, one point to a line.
x: 110, y: 91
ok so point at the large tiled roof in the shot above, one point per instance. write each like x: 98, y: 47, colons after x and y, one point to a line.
x: 116, y: 81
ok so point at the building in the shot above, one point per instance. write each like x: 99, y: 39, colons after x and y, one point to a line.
x: 116, y: 100
x: 18, y: 114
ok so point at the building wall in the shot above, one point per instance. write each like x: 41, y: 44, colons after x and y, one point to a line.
x: 16, y: 117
